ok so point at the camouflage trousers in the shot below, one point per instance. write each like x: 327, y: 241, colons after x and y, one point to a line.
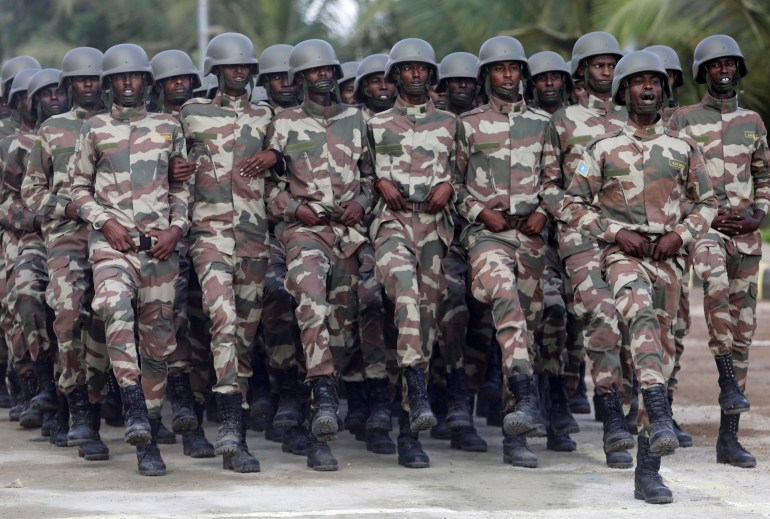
x: 233, y: 289
x: 505, y: 270
x: 595, y: 304
x: 179, y: 361
x: 479, y: 340
x: 681, y: 325
x: 323, y: 282
x: 729, y: 297
x: 119, y: 280
x: 408, y: 253
x: 199, y: 338
x: 647, y: 296
x: 82, y: 350
x: 26, y: 290
x: 551, y: 334
x: 279, y: 323
x: 18, y: 354
x: 452, y: 311
x: 5, y: 316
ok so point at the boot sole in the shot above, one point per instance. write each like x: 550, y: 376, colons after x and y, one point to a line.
x: 285, y: 424
x: 97, y: 457
x: 382, y: 450
x: 140, y: 437
x: 77, y: 442
x: 515, y: 428
x: 742, y: 465
x: 620, y: 465
x: 561, y: 447
x: 325, y: 428
x: 660, y: 500
x: 323, y: 468
x: 379, y: 426
x: 521, y: 464
x: 414, y: 464
x: 685, y: 443
x: 423, y: 422
x: 665, y: 446
x: 228, y: 448
x: 152, y: 472
x: 183, y: 425
x: 735, y: 411
x: 620, y: 445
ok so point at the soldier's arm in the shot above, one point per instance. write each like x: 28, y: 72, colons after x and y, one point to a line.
x: 365, y: 169
x: 83, y: 176
x: 19, y: 216
x: 466, y: 204
x: 279, y: 201
x: 179, y: 190
x: 551, y: 176
x: 760, y: 173
x: 578, y: 209
x: 704, y: 201
x: 35, y: 188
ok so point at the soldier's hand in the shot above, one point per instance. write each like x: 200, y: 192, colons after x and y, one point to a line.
x: 117, y: 236
x: 668, y: 245
x: 390, y: 193
x: 439, y: 197
x: 180, y: 170
x: 71, y: 212
x: 535, y: 224
x: 258, y: 163
x: 735, y: 224
x: 632, y: 243
x: 493, y: 220
x: 166, y: 242
x: 352, y: 214
x: 307, y: 216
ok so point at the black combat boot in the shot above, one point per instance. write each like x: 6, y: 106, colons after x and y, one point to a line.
x: 619, y: 459
x: 5, y: 398
x: 165, y: 437
x: 598, y: 409
x: 525, y: 415
x: 517, y: 452
x: 96, y: 449
x: 729, y: 449
x: 410, y: 453
x: 616, y: 436
x: 358, y: 410
x: 30, y: 418
x: 148, y: 455
x: 80, y: 431
x: 731, y: 398
x: 319, y: 455
x: 61, y: 427
x: 458, y: 402
x: 685, y: 440
x: 112, y: 407
x: 14, y: 391
x: 138, y: 430
x: 324, y: 407
x: 560, y: 442
x: 182, y: 402
x: 662, y: 439
x: 45, y: 399
x: 495, y: 412
x: 492, y: 387
x: 648, y: 484
x: 379, y: 405
x: 633, y: 412
x: 195, y: 444
x: 295, y: 441
x: 561, y: 419
x: 578, y: 402
x: 230, y: 412
x: 379, y: 442
x: 467, y: 439
x: 242, y: 461
x: 421, y: 418
x: 437, y: 397
x: 289, y: 411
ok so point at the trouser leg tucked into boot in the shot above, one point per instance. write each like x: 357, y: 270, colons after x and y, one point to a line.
x: 421, y: 418
x: 731, y: 398
x: 231, y: 414
x: 182, y: 401
x: 45, y: 399
x: 729, y: 449
x: 525, y: 414
x: 616, y: 436
x: 138, y: 430
x: 379, y: 405
x: 662, y: 439
x: 458, y: 403
x: 561, y: 418
x: 80, y: 431
x: 324, y: 406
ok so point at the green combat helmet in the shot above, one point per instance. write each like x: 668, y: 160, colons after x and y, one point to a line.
x: 500, y: 48
x: 20, y: 84
x: 372, y: 64
x: 592, y: 44
x: 456, y: 65
x: 670, y: 61
x: 41, y: 79
x: 80, y: 61
x: 547, y: 61
x: 170, y: 63
x: 411, y: 50
x: 634, y: 63
x: 273, y: 60
x: 230, y: 48
x: 12, y: 67
x: 311, y: 54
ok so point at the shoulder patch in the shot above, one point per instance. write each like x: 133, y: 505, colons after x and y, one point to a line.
x: 583, y: 169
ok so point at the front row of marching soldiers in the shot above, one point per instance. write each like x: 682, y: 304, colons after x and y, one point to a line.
x: 177, y: 230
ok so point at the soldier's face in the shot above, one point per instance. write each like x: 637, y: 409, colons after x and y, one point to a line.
x: 347, y: 92
x: 645, y: 89
x: 279, y: 83
x: 549, y: 85
x: 176, y: 85
x: 52, y: 99
x: 415, y: 74
x: 379, y: 87
x: 439, y: 98
x: 461, y: 88
x: 86, y: 89
x: 317, y: 74
x: 722, y: 71
x: 128, y: 87
x: 505, y: 74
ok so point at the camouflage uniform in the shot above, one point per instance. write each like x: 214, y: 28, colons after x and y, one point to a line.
x: 570, y: 129
x: 229, y: 234
x: 46, y: 190
x: 328, y: 164
x: 499, y: 148
x: 635, y: 178
x: 121, y: 173
x: 414, y: 148
x: 734, y: 144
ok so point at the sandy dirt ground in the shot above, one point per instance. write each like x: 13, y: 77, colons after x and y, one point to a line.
x: 38, y: 480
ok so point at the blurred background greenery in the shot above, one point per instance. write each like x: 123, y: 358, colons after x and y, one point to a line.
x: 47, y: 29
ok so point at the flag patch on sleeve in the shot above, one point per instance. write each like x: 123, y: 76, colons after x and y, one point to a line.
x: 583, y: 168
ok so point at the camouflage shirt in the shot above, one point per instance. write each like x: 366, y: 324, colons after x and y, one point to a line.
x: 734, y: 144
x: 14, y: 154
x: 414, y: 147
x: 499, y: 151
x: 571, y: 128
x: 47, y: 185
x: 635, y: 179
x: 10, y: 125
x: 228, y: 212
x: 121, y: 171
x: 328, y: 162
